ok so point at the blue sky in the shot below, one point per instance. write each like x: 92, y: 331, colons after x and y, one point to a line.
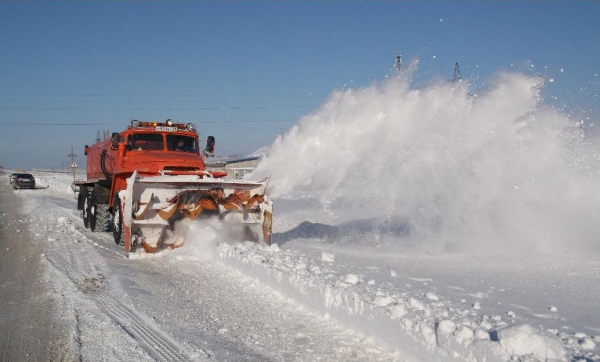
x: 247, y: 71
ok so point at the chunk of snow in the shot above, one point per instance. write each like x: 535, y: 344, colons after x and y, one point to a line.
x: 587, y: 343
x: 481, y: 334
x: 522, y: 339
x: 408, y: 322
x: 328, y: 257
x: 479, y: 295
x: 428, y: 334
x: 342, y: 284
x: 485, y: 325
x: 383, y: 301
x: 300, y: 266
x: 62, y: 220
x: 476, y: 305
x: 431, y: 296
x: 446, y: 327
x: 398, y: 311
x: 464, y: 335
x: 416, y: 304
x: 553, y: 309
x: 351, y: 279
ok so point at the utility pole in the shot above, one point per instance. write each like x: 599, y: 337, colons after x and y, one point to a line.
x: 457, y: 76
x: 73, y: 164
x: 398, y: 64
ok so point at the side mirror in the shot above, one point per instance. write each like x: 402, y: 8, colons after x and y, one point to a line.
x: 114, y: 140
x: 210, y: 144
x: 85, y: 150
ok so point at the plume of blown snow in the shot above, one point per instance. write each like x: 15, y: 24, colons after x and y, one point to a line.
x: 499, y: 171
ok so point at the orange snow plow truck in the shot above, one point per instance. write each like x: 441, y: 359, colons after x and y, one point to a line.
x: 148, y: 178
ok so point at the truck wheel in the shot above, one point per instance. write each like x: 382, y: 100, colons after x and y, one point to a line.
x: 118, y: 233
x: 99, y: 216
x: 102, y: 218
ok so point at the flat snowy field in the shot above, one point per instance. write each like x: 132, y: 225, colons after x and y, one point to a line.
x: 409, y: 225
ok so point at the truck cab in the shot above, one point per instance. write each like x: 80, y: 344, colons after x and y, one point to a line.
x: 148, y: 148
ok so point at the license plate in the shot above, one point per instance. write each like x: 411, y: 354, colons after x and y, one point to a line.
x: 166, y: 129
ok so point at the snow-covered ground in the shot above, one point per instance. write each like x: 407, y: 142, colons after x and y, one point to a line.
x: 409, y: 225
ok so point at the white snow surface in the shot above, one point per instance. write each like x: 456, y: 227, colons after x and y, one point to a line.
x: 433, y: 224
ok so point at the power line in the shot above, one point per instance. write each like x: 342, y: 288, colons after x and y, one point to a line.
x: 105, y: 124
x: 209, y: 95
x: 154, y: 109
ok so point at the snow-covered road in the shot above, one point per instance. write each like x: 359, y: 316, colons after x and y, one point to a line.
x: 168, y: 307
x: 307, y: 298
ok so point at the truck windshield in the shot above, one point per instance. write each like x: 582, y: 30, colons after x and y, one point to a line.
x: 146, y: 142
x: 181, y: 144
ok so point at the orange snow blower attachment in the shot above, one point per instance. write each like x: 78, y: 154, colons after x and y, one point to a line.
x: 152, y: 206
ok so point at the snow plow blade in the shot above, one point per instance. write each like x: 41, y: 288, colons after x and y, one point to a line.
x: 151, y: 207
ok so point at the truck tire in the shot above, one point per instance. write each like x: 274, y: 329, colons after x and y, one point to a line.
x: 118, y: 233
x: 102, y: 218
x: 99, y: 216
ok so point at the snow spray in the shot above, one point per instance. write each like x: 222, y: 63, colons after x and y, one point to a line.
x: 497, y: 171
x: 198, y: 240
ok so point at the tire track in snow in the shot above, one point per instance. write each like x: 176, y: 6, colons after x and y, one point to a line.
x: 151, y: 338
x: 157, y: 343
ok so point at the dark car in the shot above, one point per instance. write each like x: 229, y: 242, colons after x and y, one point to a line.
x: 23, y: 180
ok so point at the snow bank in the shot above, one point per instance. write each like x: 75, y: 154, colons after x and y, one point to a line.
x: 423, y: 326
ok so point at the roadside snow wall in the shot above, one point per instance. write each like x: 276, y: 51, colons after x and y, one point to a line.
x: 419, y: 329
